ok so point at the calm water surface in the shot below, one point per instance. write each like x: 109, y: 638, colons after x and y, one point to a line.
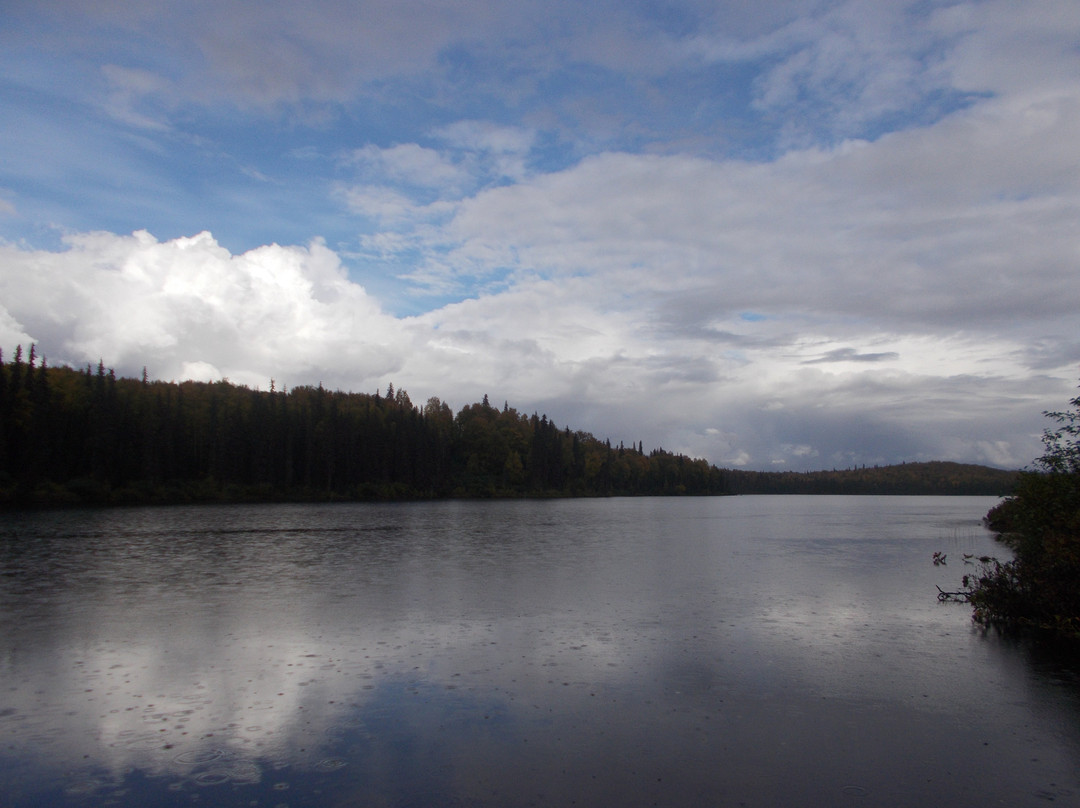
x: 758, y: 651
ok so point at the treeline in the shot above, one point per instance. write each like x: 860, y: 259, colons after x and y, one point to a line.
x: 936, y: 477
x: 87, y: 437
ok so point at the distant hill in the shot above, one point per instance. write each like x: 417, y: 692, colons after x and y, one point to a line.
x: 935, y: 477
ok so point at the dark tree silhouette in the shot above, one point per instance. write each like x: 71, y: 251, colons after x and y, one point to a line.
x: 71, y: 436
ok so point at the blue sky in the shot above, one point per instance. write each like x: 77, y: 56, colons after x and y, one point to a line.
x: 776, y: 235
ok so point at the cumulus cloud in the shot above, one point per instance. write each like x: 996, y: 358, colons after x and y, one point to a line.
x: 188, y: 308
x: 11, y: 332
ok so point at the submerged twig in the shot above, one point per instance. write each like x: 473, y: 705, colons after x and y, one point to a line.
x: 958, y: 597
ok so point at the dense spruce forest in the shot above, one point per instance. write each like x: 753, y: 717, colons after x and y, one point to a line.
x: 85, y: 436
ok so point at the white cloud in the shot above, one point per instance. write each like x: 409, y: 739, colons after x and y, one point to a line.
x: 386, y: 206
x: 739, y: 459
x: 11, y: 332
x: 407, y: 179
x: 927, y: 226
x: 200, y: 372
x: 410, y: 164
x: 187, y: 307
x: 836, y: 68
x: 1005, y: 48
x: 485, y: 136
x: 498, y: 152
x: 127, y: 90
x: 996, y: 452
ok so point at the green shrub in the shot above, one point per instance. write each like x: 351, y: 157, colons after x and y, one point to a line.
x: 1040, y: 522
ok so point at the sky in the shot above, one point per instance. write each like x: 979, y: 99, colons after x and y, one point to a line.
x: 778, y: 235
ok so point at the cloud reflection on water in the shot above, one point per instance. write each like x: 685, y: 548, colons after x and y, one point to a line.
x: 504, y: 652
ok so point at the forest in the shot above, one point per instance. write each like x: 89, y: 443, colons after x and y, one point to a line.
x: 86, y: 437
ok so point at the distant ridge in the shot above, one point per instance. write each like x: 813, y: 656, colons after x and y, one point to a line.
x: 933, y: 477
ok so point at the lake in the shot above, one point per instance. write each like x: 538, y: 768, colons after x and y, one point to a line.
x: 757, y: 651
